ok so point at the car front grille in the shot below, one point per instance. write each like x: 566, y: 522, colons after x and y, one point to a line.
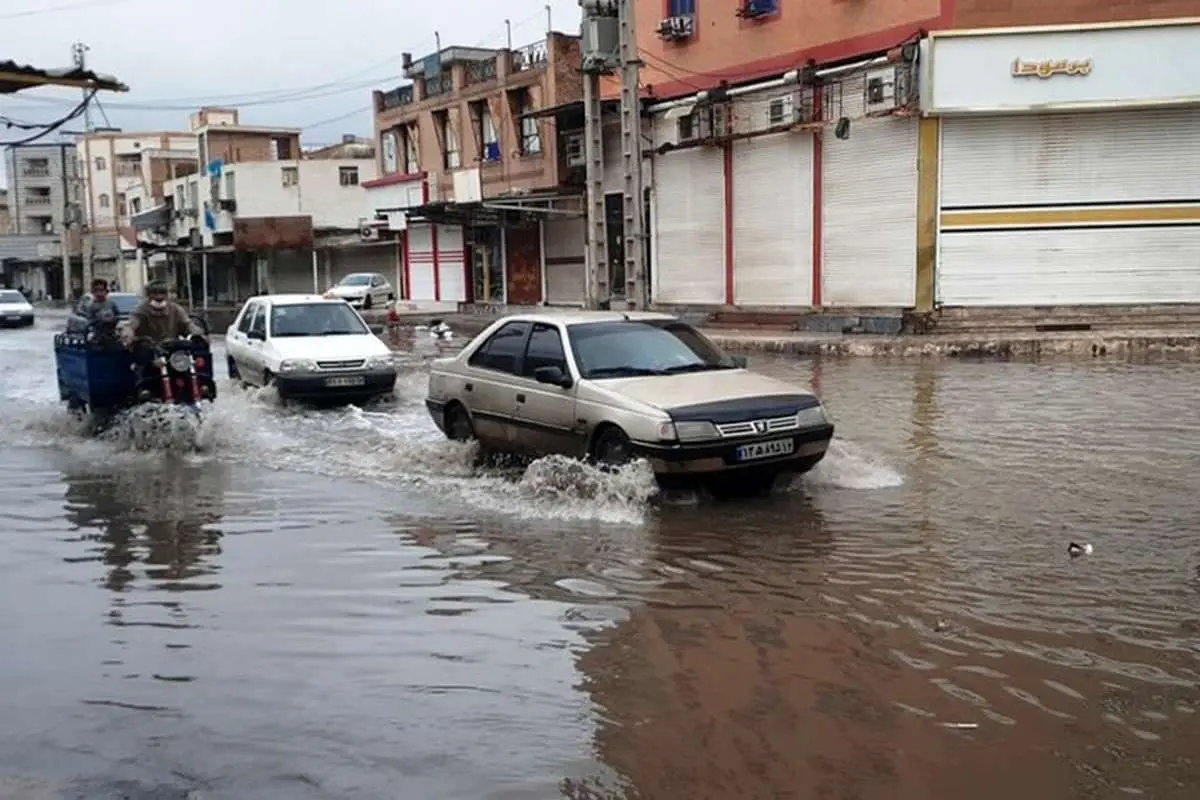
x: 354, y: 364
x: 759, y: 427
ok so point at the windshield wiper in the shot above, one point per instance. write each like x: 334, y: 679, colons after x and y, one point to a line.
x: 623, y: 372
x: 693, y: 368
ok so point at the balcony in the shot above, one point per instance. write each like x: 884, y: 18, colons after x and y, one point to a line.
x: 35, y: 171
x: 37, y: 200
x: 400, y: 96
x: 438, y: 84
x: 530, y: 57
x: 480, y: 71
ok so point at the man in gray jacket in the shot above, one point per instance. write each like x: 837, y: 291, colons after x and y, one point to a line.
x: 158, y: 319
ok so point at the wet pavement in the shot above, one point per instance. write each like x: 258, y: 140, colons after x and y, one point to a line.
x: 336, y: 605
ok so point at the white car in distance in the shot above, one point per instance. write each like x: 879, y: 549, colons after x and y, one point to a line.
x: 14, y: 309
x: 309, y: 348
x: 365, y: 290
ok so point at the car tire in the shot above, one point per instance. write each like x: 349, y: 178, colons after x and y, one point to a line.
x: 612, y: 448
x: 458, y: 424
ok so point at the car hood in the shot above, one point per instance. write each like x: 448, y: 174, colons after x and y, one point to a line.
x: 668, y: 392
x: 330, y: 348
x: 11, y: 307
x: 348, y: 291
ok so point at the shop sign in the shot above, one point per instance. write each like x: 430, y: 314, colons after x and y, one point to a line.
x: 1048, y: 68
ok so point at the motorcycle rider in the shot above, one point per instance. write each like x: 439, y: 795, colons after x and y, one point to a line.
x: 158, y: 319
x: 101, y: 312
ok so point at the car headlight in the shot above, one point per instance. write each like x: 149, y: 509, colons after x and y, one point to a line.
x: 695, y: 431
x: 297, y: 365
x: 666, y: 432
x: 811, y: 417
x: 180, y: 361
x: 380, y: 362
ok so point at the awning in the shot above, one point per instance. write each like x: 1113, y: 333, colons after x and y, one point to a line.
x: 16, y: 77
x: 157, y: 217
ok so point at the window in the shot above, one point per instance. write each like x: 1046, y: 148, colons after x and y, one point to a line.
x: 544, y: 350
x: 122, y: 206
x: 258, y: 323
x: 230, y: 186
x: 348, y: 176
x: 412, y: 161
x: 136, y: 205
x: 389, y: 155
x: 290, y: 176
x: 485, y: 131
x: 247, y: 317
x: 451, y: 158
x: 502, y: 351
x: 105, y: 202
x: 101, y: 164
x: 316, y: 319
x: 522, y: 107
x: 180, y: 200
x: 281, y: 146
x: 356, y: 279
x: 624, y: 349
x: 681, y: 8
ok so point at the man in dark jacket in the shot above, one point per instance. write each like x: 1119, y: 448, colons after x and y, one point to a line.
x: 158, y: 319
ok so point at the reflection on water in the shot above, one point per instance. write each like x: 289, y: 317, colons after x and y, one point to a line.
x: 337, y: 605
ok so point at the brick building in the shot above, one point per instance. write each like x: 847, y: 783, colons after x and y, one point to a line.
x: 801, y: 158
x: 473, y: 184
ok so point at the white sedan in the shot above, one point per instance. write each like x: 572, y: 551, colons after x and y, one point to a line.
x: 309, y: 348
x: 365, y: 290
x: 14, y: 309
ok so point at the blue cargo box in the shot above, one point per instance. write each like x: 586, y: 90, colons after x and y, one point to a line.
x: 99, y: 374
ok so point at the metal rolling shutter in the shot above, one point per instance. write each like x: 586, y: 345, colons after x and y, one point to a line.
x: 451, y: 270
x: 869, y: 212
x: 420, y: 261
x: 379, y: 258
x: 772, y: 220
x: 564, y: 242
x: 689, y: 233
x: 291, y: 272
x: 1030, y: 163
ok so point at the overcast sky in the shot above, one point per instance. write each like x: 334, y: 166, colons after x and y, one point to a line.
x: 302, y: 63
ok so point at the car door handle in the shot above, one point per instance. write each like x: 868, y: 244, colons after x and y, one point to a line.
x: 470, y: 387
x: 520, y: 398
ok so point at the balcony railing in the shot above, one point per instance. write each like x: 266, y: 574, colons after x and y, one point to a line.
x: 37, y: 200
x: 437, y: 84
x: 531, y: 56
x: 481, y: 71
x: 35, y: 172
x: 400, y: 96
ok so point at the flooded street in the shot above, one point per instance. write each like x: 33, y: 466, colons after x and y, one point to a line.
x: 337, y: 605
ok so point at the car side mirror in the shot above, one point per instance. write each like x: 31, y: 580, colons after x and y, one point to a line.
x: 739, y: 362
x: 256, y: 335
x: 553, y: 376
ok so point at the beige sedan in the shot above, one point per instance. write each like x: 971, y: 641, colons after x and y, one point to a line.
x: 613, y: 387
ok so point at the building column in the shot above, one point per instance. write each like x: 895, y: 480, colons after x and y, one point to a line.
x: 929, y: 134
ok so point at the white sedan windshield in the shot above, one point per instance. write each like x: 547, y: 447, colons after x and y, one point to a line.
x: 316, y: 319
x: 12, y: 298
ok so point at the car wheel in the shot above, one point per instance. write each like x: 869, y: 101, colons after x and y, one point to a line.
x: 612, y: 448
x: 231, y: 365
x: 458, y: 424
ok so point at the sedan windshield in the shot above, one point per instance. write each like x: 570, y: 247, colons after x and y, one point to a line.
x: 626, y: 349
x: 316, y: 319
x: 125, y: 303
x: 355, y: 280
x: 8, y: 297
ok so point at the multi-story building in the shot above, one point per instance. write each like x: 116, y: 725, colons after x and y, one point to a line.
x: 264, y: 215
x: 113, y: 165
x: 826, y: 158
x: 42, y: 184
x: 5, y: 216
x: 487, y: 207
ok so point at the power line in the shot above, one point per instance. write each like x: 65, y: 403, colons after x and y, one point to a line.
x: 37, y: 12
x: 338, y: 118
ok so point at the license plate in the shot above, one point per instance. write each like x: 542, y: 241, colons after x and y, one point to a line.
x: 12, y: 316
x: 353, y: 380
x: 753, y: 452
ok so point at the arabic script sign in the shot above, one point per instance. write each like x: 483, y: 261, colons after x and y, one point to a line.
x: 1048, y: 68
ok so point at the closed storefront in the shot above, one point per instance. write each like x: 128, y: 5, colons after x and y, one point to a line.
x: 869, y: 205
x: 564, y: 239
x: 418, y: 253
x: 689, y: 220
x: 772, y: 216
x: 383, y: 258
x: 435, y: 263
x: 451, y: 265
x: 1071, y: 174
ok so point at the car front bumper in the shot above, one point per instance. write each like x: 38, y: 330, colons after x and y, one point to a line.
x: 16, y: 318
x: 340, y: 385
x: 709, y: 459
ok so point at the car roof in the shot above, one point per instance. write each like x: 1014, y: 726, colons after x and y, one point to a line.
x: 577, y: 317
x: 296, y: 299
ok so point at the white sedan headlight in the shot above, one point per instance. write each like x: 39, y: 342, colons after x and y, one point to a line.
x: 812, y: 417
x: 380, y: 362
x: 297, y: 365
x: 696, y: 431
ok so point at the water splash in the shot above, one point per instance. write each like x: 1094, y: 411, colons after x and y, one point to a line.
x: 851, y: 466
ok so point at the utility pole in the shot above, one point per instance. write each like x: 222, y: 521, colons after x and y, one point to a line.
x: 79, y: 52
x: 636, y: 295
x: 600, y: 57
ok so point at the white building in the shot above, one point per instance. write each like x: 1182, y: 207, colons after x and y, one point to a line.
x: 1069, y: 164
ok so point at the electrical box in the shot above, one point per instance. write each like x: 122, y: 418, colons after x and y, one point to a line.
x: 601, y: 44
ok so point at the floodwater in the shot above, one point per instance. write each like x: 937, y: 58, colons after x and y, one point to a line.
x: 336, y: 605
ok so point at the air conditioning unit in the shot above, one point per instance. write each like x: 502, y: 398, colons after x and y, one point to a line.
x: 879, y: 90
x: 672, y: 29
x: 781, y: 111
x: 369, y: 233
x: 754, y: 9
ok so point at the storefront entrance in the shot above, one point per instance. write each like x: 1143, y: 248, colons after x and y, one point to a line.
x: 487, y: 264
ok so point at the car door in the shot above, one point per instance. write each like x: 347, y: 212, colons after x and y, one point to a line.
x: 379, y: 289
x: 492, y: 383
x: 545, y: 413
x: 254, y: 355
x: 236, y: 343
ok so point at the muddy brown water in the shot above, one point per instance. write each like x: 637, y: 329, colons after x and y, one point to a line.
x: 335, y: 605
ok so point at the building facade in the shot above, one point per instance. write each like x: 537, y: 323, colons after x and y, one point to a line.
x: 5, y: 215
x: 472, y: 183
x: 42, y: 185
x: 1067, y: 164
x: 263, y: 215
